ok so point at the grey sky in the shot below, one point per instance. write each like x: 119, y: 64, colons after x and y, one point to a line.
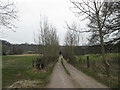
x: 57, y: 11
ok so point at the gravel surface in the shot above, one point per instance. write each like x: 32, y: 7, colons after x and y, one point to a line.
x: 59, y: 78
x: 81, y: 80
x: 25, y: 84
x: 77, y: 79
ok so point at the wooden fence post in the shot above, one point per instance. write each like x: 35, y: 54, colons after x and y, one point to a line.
x: 88, y: 64
x: 94, y: 66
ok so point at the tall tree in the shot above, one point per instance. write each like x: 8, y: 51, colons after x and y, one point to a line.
x: 93, y: 10
x: 71, y: 40
x: 48, y: 38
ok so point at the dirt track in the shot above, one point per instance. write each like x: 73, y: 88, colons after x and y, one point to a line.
x: 77, y: 79
x: 59, y: 78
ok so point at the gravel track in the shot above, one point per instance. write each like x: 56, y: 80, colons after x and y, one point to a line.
x: 76, y: 79
x: 59, y: 78
x: 81, y: 80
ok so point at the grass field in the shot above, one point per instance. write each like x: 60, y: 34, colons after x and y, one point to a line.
x: 98, y: 57
x: 19, y: 67
x: 96, y: 69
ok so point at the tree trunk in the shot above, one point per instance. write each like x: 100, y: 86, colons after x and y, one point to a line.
x: 101, y: 41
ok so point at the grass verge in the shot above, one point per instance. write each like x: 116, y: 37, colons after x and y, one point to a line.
x: 95, y: 70
x: 15, y: 68
x: 65, y: 68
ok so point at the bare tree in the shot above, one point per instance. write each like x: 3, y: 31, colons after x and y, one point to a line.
x: 111, y: 25
x: 92, y: 10
x: 8, y: 13
x: 48, y: 38
x: 71, y: 40
x: 48, y: 44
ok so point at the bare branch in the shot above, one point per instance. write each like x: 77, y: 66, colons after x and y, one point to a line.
x: 68, y: 27
x: 82, y: 9
x: 7, y: 15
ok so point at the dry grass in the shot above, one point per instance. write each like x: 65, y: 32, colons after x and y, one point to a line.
x: 25, y: 55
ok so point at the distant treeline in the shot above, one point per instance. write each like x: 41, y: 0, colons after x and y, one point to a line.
x: 96, y: 49
x: 11, y: 49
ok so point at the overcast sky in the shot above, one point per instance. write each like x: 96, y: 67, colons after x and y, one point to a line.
x: 57, y: 11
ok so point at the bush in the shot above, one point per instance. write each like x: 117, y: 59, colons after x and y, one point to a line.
x: 43, y: 62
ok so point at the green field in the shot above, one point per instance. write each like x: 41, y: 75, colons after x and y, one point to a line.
x: 98, y: 57
x: 15, y: 68
x: 96, y: 69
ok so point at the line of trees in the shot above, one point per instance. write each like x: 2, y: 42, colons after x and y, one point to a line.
x: 14, y: 49
x: 49, y: 40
